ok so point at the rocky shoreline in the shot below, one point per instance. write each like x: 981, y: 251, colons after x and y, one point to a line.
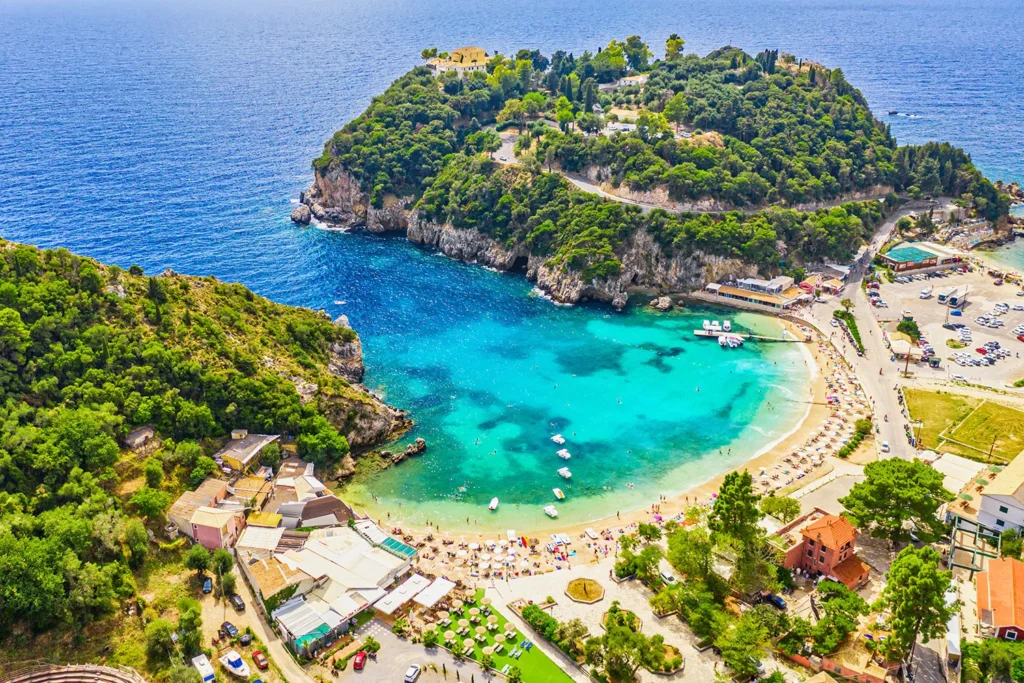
x: 336, y: 199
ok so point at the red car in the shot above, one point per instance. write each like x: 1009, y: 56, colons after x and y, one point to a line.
x: 1020, y: 337
x: 981, y: 350
x: 360, y: 660
x: 260, y: 659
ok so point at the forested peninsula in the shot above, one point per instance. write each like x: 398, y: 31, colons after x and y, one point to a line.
x: 90, y: 352
x: 721, y: 166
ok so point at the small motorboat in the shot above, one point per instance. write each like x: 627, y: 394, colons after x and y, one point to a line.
x: 564, y: 454
x: 726, y: 325
x: 551, y: 511
x: 233, y: 662
x: 558, y: 494
x: 494, y: 505
x: 559, y: 439
x: 565, y: 473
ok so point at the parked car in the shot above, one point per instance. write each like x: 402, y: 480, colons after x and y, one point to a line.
x: 259, y: 659
x: 959, y: 378
x: 412, y: 673
x: 835, y: 323
x: 236, y: 601
x: 885, y: 446
x: 775, y: 601
x: 229, y: 629
x: 359, y: 661
x: 207, y: 585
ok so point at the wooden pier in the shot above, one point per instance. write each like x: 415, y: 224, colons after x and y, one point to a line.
x: 744, y: 335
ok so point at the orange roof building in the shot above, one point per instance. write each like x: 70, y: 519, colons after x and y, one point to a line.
x: 1001, y: 599
x: 822, y: 544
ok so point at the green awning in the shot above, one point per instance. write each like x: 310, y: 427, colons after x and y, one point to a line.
x: 309, y: 638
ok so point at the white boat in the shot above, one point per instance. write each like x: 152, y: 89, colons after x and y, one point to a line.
x: 726, y: 325
x: 707, y: 324
x: 564, y: 454
x: 551, y: 511
x: 564, y: 472
x: 494, y: 504
x: 233, y: 662
x: 559, y: 439
x: 733, y: 341
x: 558, y: 494
x: 715, y: 326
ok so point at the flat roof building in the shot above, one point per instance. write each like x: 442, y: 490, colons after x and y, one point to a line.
x: 243, y: 449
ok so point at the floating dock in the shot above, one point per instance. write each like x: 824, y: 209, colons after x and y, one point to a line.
x: 759, y: 337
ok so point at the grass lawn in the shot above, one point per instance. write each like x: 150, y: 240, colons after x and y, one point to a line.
x: 535, y: 666
x: 938, y: 411
x: 993, y: 422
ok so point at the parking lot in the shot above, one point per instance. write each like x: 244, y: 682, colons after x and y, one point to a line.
x: 990, y: 320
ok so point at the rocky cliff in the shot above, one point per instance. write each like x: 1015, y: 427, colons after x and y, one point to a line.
x: 335, y: 198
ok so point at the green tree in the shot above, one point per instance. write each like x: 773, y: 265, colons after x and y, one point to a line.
x: 159, y: 645
x: 228, y: 584
x: 428, y: 53
x: 909, y: 328
x: 782, y: 507
x: 204, y: 467
x: 915, y: 595
x: 221, y: 561
x: 735, y: 513
x: 190, y: 627
x: 840, y: 608
x: 513, y: 112
x: 742, y: 645
x: 137, y: 541
x: 674, y: 47
x: 896, y: 497
x: 691, y: 552
x: 637, y: 54
x: 563, y: 112
x: 648, y: 532
x: 847, y: 304
x: 197, y: 559
x: 154, y: 471
x: 150, y: 503
x: 676, y: 110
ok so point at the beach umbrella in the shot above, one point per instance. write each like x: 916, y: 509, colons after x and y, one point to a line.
x: 499, y: 638
x: 474, y: 611
x: 510, y: 557
x: 474, y: 546
x: 480, y: 630
x: 430, y: 627
x: 461, y: 553
x: 485, y: 557
x: 493, y: 619
x: 468, y: 643
x: 457, y: 604
x: 524, y: 564
x: 463, y: 623
x: 966, y: 496
x: 490, y: 543
x: 488, y: 650
x: 509, y: 626
x: 449, y: 635
x: 443, y: 614
x: 485, y: 601
x: 485, y: 565
x: 983, y: 482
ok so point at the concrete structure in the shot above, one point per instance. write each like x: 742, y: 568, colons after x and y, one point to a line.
x: 778, y: 293
x: 138, y: 437
x: 823, y: 545
x: 918, y: 256
x: 303, y: 501
x: 216, y: 527
x: 1001, y: 599
x: 1002, y: 502
x: 462, y: 61
x: 244, y: 449
x: 209, y: 493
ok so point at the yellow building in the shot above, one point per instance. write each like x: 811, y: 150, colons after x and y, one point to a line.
x: 464, y: 60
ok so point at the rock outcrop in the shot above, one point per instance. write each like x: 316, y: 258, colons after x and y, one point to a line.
x: 662, y: 303
x: 301, y: 215
x: 336, y: 198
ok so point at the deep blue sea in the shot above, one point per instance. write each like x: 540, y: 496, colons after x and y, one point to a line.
x: 178, y: 133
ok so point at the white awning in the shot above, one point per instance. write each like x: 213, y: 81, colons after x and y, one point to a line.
x: 429, y: 596
x: 713, y: 286
x: 403, y: 594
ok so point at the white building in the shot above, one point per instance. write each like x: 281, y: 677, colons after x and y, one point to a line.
x: 462, y: 61
x: 1002, y: 501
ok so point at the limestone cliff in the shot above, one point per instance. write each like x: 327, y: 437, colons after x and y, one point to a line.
x: 335, y: 198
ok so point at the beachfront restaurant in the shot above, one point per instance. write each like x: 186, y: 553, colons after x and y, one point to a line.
x: 779, y: 292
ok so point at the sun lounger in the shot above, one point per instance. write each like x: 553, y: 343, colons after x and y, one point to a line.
x: 505, y: 669
x: 499, y: 647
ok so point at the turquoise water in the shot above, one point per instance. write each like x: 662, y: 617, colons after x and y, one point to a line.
x: 1011, y: 255
x: 177, y: 134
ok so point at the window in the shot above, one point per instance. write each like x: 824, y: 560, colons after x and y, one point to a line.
x: 1011, y: 635
x: 1003, y: 509
x: 811, y: 543
x: 821, y: 560
x: 810, y: 553
x: 1000, y: 522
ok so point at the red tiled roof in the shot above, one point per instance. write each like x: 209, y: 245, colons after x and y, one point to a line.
x: 832, y: 531
x: 850, y: 570
x: 1006, y: 601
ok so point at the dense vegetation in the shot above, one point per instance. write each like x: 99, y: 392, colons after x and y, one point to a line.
x: 88, y: 352
x: 741, y: 130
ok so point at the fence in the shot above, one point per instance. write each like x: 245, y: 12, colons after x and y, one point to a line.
x: 73, y: 673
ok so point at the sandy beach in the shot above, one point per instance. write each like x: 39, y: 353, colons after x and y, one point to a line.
x: 776, y: 466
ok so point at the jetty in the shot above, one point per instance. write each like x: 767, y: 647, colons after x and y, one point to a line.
x: 746, y: 335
